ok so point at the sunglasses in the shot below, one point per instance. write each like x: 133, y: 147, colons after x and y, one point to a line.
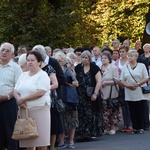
x: 78, y: 54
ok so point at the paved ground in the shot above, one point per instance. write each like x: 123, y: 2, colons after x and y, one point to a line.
x: 120, y: 141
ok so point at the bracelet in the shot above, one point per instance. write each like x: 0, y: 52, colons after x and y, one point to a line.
x: 8, y: 97
x: 95, y: 93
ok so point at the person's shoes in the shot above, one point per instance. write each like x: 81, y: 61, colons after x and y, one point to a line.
x: 146, y: 129
x: 129, y: 129
x: 71, y: 146
x: 134, y: 131
x: 112, y: 132
x: 140, y: 131
x: 61, y: 146
x: 124, y: 129
x: 106, y: 132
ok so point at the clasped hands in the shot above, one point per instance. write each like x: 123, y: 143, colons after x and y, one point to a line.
x: 20, y: 102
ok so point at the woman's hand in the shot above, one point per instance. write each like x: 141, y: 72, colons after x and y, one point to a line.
x: 133, y: 86
x: 94, y: 97
x: 20, y: 101
x: 23, y: 105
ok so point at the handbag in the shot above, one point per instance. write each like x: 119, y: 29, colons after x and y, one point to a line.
x: 145, y: 89
x: 57, y: 103
x: 112, y: 102
x: 25, y: 128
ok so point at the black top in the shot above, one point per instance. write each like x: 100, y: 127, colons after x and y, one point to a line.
x: 144, y: 60
x: 59, y: 73
x: 93, y: 70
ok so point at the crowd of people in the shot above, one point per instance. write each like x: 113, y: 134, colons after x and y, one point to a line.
x: 84, y: 78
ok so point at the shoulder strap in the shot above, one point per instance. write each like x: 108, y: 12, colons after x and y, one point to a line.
x: 131, y: 74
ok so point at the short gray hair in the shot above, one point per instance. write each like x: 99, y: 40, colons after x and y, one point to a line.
x: 22, y: 60
x: 71, y: 54
x: 86, y: 53
x: 48, y: 48
x: 62, y: 55
x: 108, y: 55
x: 133, y: 52
x: 41, y: 50
x: 12, y: 48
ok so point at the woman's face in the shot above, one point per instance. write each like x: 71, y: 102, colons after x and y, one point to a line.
x: 123, y: 53
x: 86, y: 60
x: 32, y: 62
x: 105, y: 60
x: 132, y: 58
x: 146, y: 48
x: 60, y: 60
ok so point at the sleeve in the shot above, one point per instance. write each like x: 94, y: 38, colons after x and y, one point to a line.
x: 18, y: 82
x: 115, y: 73
x: 43, y: 82
x: 18, y: 72
x: 71, y: 76
x: 144, y: 72
x: 94, y: 69
x: 59, y: 73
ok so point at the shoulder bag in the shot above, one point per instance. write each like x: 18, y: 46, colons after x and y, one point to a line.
x: 25, y: 128
x: 145, y: 89
x: 113, y: 102
x: 57, y: 103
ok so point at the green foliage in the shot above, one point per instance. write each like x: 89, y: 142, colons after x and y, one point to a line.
x: 31, y: 22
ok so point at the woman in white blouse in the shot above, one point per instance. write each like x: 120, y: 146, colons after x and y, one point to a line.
x: 32, y: 91
x: 133, y: 76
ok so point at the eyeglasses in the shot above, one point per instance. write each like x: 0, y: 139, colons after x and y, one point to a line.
x: 5, y: 50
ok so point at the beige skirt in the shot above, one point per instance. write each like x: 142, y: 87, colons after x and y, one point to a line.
x: 41, y: 114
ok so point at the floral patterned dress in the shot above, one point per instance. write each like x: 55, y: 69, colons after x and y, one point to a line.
x: 89, y: 112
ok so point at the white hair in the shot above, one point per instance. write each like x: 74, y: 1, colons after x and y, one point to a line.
x: 12, y: 48
x: 22, y: 60
x: 41, y: 50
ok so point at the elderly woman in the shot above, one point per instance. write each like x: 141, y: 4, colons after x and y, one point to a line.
x: 56, y: 125
x: 70, y: 98
x: 32, y: 91
x: 22, y: 62
x: 73, y: 57
x: 89, y: 108
x: 133, y: 76
x: 109, y: 80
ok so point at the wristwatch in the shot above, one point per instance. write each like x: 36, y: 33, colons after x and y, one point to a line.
x: 8, y: 97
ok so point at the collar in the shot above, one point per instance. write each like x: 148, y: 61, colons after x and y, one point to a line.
x: 10, y: 63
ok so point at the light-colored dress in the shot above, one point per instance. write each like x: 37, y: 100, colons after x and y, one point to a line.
x: 38, y: 108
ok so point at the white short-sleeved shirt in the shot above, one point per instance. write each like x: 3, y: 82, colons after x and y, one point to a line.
x: 138, y: 73
x: 26, y: 85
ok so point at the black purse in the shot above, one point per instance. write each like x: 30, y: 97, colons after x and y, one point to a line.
x: 57, y: 103
x: 145, y: 89
x: 113, y: 102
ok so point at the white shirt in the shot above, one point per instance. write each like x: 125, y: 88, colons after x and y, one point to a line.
x: 9, y: 75
x: 26, y: 85
x: 138, y: 73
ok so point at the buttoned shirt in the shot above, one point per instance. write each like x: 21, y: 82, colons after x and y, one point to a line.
x: 9, y: 75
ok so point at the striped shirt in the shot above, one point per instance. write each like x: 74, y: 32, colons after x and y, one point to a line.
x: 9, y: 75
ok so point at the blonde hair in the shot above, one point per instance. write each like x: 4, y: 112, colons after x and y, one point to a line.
x: 133, y: 52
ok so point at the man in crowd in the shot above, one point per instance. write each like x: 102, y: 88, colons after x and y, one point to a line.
x: 9, y: 74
